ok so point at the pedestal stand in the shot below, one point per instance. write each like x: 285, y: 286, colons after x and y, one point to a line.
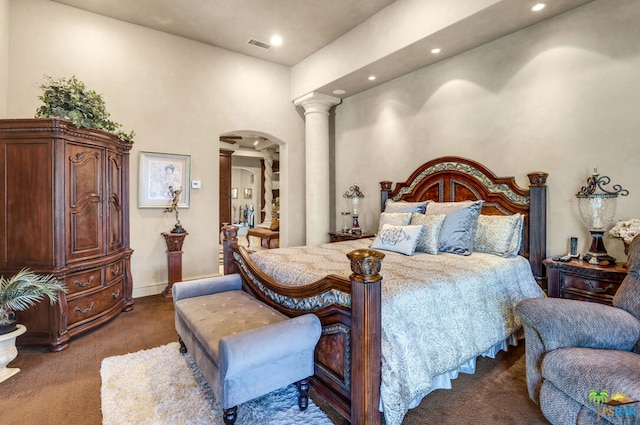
x: 174, y: 259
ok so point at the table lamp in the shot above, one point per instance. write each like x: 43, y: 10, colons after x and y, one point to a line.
x: 597, y: 207
x: 354, y: 195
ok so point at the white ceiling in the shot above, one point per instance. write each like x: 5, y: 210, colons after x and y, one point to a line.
x: 305, y: 25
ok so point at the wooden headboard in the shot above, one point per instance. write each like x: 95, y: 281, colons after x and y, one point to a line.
x: 452, y: 178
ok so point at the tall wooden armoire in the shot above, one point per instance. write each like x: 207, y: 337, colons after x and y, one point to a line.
x: 64, y: 193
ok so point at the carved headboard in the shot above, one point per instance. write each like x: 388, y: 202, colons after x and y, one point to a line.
x: 451, y: 178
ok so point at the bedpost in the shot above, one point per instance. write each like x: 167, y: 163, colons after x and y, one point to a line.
x: 229, y: 241
x: 366, y: 331
x: 538, y: 225
x: 385, y: 188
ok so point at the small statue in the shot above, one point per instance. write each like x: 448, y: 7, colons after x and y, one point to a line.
x: 175, y: 194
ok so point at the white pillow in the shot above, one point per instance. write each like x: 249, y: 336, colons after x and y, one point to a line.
x: 499, y: 234
x: 430, y: 236
x: 396, y: 219
x: 403, y: 207
x: 402, y: 239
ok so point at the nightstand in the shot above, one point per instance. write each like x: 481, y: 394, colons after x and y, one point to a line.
x: 580, y: 280
x: 339, y: 236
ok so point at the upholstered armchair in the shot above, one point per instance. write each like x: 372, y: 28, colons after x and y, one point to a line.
x: 583, y: 359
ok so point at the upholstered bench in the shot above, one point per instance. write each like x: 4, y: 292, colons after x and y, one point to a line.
x: 243, y: 347
x: 263, y: 233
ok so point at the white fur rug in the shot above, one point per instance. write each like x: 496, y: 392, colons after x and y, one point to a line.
x: 162, y: 386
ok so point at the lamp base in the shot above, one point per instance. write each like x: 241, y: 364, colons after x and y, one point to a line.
x: 355, y: 229
x: 597, y: 253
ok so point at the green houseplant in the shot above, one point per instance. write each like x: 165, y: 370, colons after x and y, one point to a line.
x: 23, y: 290
x: 70, y: 99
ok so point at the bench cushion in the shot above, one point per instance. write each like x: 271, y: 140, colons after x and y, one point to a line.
x: 211, y: 317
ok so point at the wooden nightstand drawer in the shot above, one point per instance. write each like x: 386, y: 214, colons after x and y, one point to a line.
x: 569, y: 282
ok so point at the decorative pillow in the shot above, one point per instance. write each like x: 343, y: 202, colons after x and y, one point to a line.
x: 396, y: 219
x: 430, y: 236
x: 459, y: 227
x: 404, y: 207
x: 402, y: 239
x: 499, y: 234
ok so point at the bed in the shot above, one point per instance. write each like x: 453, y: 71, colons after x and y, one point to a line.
x: 357, y: 369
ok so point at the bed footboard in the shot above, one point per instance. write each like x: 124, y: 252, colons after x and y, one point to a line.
x: 348, y: 355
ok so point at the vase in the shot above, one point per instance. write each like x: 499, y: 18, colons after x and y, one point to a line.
x: 8, y: 352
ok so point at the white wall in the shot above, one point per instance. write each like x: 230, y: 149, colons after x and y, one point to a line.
x: 559, y: 97
x: 178, y: 96
x: 4, y: 56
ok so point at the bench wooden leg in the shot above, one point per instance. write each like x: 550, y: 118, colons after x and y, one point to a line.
x: 303, y: 396
x: 248, y: 241
x: 183, y: 348
x: 230, y: 415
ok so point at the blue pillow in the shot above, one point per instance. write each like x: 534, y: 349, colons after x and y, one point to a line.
x: 458, y: 230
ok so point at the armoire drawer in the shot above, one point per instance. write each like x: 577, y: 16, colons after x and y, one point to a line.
x: 85, y: 308
x: 114, y: 271
x: 84, y: 281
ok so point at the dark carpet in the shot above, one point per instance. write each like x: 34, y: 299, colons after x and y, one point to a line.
x: 64, y: 387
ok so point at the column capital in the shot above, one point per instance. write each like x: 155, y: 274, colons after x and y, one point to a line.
x: 316, y: 102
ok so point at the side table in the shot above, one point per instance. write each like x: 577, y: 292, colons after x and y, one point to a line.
x: 340, y: 237
x: 579, y: 280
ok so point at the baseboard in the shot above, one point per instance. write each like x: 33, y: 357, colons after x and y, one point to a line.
x: 146, y: 291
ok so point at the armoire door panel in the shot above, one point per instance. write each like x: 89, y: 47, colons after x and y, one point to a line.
x: 85, y: 202
x: 28, y: 204
x: 115, y: 232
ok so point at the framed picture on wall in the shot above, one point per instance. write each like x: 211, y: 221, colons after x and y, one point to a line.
x: 234, y: 193
x: 247, y: 194
x: 158, y: 175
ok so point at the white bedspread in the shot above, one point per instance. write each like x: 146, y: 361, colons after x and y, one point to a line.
x: 438, y: 311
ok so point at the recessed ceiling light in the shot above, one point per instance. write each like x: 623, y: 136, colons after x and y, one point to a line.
x: 276, y: 40
x: 338, y: 91
x: 538, y: 7
x: 372, y: 77
x: 436, y: 50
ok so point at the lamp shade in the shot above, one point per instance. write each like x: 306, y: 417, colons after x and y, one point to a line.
x: 597, y: 210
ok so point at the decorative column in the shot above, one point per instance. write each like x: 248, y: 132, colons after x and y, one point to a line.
x: 174, y: 259
x: 318, y: 214
x: 268, y: 185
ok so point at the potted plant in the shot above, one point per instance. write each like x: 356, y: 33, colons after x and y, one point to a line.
x: 18, y: 293
x: 69, y: 98
x: 21, y: 291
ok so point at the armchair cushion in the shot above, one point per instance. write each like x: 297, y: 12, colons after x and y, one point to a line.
x: 571, y: 323
x: 577, y: 371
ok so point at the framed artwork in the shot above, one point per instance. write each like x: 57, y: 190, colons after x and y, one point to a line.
x: 157, y: 173
x: 247, y: 194
x: 234, y: 193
